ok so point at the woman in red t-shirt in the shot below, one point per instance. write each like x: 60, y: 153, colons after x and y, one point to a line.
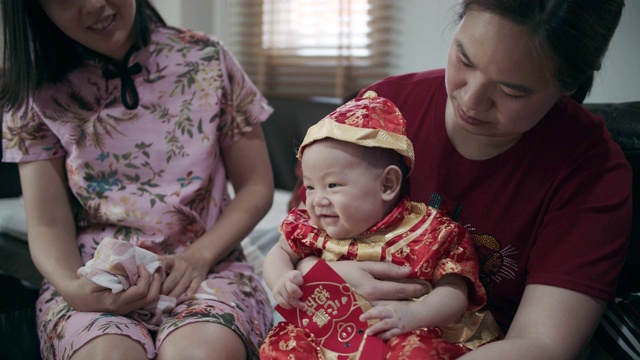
x: 543, y: 187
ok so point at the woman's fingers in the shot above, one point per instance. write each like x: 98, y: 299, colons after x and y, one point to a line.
x: 385, y: 270
x: 144, y: 292
x: 193, y: 288
x: 379, y: 280
x: 173, y: 275
x: 181, y: 287
x: 392, y: 290
x: 184, y: 275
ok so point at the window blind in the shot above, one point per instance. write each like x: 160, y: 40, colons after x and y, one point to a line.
x: 303, y: 48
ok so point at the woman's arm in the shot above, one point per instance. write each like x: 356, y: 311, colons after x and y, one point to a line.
x: 373, y: 280
x: 249, y: 170
x: 52, y: 243
x: 551, y: 323
x: 50, y: 221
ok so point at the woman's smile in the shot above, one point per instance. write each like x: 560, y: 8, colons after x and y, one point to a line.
x: 470, y: 119
x: 104, y: 23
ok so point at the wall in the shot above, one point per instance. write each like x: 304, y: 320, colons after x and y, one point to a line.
x: 425, y: 31
x: 428, y: 27
x: 620, y: 75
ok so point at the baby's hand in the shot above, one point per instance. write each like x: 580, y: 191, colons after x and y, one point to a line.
x: 287, y: 291
x: 395, y: 318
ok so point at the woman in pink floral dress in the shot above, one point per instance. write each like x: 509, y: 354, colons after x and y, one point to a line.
x: 126, y: 128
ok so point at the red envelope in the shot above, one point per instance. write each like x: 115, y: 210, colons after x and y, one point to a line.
x: 332, y: 315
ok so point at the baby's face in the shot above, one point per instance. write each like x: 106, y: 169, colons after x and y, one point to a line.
x: 344, y: 193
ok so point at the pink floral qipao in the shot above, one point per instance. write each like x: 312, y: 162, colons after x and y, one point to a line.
x: 150, y: 174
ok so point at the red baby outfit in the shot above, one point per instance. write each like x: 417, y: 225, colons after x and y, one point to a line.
x: 414, y: 235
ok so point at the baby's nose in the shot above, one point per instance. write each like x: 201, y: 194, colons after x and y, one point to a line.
x: 321, y: 200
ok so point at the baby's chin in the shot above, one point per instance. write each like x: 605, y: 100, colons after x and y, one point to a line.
x: 336, y: 232
x: 340, y: 235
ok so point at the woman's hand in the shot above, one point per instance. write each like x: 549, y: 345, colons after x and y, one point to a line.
x: 186, y: 272
x: 374, y: 280
x: 85, y: 295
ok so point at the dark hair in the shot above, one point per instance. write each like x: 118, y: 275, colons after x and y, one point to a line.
x: 37, y: 52
x: 381, y: 158
x: 575, y: 33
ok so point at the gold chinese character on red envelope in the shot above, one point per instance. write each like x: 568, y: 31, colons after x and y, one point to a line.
x: 333, y: 316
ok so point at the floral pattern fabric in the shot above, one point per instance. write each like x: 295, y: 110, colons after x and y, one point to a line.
x: 152, y: 176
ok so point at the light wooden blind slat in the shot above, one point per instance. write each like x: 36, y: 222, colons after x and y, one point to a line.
x: 343, y: 46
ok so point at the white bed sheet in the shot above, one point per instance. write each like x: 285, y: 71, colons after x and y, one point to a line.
x: 12, y: 219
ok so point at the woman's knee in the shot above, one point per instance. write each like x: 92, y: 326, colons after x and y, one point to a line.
x: 107, y: 347
x: 202, y: 341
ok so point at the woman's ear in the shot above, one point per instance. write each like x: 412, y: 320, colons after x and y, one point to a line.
x: 391, y: 182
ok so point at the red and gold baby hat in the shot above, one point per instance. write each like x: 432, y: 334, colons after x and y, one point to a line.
x: 370, y: 120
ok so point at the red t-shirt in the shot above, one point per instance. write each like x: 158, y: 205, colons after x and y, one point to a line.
x: 554, y: 209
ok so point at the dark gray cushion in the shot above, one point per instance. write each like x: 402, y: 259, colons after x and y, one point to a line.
x: 623, y: 121
x: 9, y: 179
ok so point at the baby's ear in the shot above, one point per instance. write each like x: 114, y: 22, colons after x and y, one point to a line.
x: 391, y: 181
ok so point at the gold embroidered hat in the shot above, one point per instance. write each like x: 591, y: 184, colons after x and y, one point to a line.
x: 370, y: 120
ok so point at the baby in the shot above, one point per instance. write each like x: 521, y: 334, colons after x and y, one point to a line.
x: 354, y: 163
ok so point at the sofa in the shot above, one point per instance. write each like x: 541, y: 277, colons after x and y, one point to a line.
x: 284, y: 132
